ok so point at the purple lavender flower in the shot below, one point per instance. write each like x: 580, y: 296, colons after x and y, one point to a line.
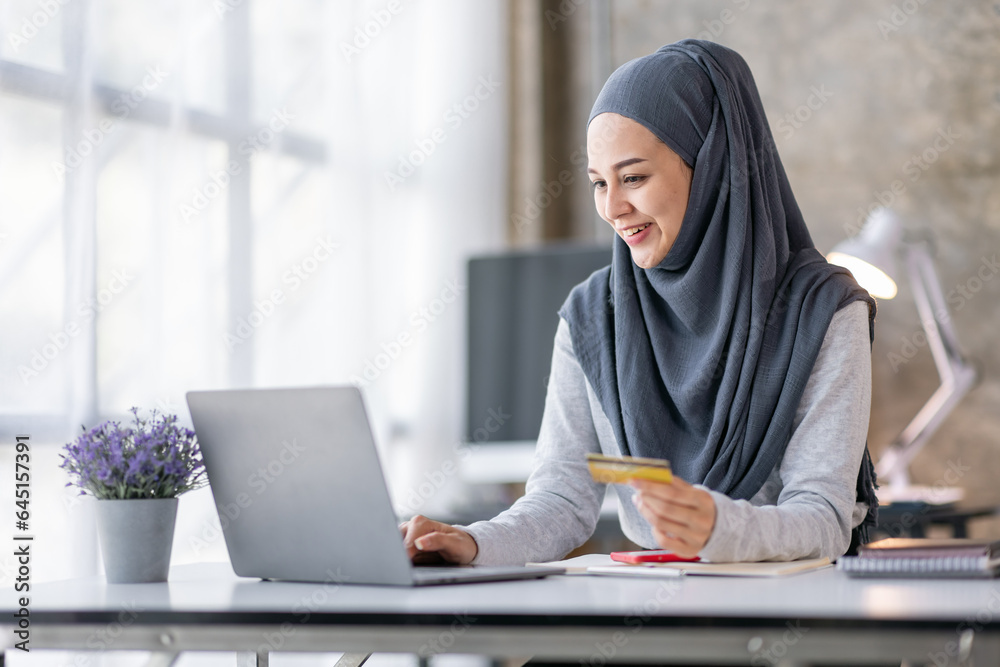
x: 152, y: 458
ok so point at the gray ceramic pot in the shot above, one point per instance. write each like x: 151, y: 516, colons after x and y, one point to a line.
x: 136, y: 538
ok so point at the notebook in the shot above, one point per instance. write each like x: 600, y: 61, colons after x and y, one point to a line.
x: 603, y: 565
x: 921, y: 557
x: 299, y: 488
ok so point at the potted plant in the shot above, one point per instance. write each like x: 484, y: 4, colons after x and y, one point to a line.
x: 136, y: 473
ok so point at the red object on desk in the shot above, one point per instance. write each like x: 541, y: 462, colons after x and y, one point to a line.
x: 655, y: 556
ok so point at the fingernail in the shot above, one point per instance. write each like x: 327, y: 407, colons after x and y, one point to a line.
x: 419, y: 545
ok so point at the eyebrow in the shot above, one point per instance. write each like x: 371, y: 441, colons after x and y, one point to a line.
x: 621, y: 165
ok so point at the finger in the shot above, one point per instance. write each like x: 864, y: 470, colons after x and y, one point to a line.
x: 692, y: 529
x: 448, y: 545
x: 415, y: 527
x: 668, y: 522
x: 671, y: 531
x: 677, y: 491
x: 435, y: 541
x: 666, y: 492
x: 676, y: 544
x: 424, y: 556
x: 696, y: 514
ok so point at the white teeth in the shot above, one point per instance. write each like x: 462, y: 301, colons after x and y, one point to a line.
x: 635, y: 230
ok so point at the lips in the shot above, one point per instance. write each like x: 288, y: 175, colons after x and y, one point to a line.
x: 637, y: 235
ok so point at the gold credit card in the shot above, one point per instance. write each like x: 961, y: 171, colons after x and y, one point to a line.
x: 623, y: 469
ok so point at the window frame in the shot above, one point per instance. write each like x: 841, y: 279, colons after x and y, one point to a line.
x: 78, y: 94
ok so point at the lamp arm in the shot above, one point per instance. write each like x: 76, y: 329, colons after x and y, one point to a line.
x: 894, y: 462
x: 957, y: 375
x: 933, y: 310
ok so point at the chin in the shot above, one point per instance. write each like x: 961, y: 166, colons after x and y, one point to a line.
x: 645, y: 260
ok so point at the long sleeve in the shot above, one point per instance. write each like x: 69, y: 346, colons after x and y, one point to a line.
x: 816, y: 506
x: 561, y: 505
x: 806, y: 508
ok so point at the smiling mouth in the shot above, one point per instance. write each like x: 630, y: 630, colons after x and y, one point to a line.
x: 636, y: 230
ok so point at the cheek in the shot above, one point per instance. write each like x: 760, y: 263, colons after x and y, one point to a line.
x: 599, y: 205
x: 670, y: 210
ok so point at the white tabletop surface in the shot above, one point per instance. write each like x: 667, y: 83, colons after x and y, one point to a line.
x: 212, y: 587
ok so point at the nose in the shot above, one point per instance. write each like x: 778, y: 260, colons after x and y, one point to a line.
x: 616, y: 203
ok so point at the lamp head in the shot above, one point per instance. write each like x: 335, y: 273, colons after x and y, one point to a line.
x: 871, y: 255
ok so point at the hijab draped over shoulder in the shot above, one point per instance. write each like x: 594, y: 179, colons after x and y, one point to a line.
x: 704, y: 358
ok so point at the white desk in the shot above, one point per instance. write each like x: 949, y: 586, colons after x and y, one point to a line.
x: 815, y: 617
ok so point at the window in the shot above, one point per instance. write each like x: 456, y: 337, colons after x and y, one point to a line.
x: 196, y: 195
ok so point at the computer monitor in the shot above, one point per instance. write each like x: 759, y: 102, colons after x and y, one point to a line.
x: 514, y: 299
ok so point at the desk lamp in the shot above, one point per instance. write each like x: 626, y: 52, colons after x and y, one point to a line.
x: 871, y: 257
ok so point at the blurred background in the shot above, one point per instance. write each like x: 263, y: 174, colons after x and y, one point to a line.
x: 205, y: 194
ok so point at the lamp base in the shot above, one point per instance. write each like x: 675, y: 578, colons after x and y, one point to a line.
x: 916, y: 493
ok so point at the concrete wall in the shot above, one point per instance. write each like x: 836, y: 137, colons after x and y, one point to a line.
x: 894, y: 78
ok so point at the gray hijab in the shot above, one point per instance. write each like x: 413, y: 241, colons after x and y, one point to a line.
x: 703, y: 359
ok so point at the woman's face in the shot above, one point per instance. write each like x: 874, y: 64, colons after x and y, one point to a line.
x: 641, y: 186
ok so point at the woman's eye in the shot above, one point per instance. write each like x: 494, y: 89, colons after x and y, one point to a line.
x: 597, y: 185
x: 632, y: 180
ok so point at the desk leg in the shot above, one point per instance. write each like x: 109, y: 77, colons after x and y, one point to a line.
x: 983, y: 652
x: 353, y: 659
x: 251, y: 659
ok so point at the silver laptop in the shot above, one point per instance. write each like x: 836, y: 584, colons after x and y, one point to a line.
x: 300, y: 492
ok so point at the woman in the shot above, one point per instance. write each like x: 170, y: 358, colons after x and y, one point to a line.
x: 719, y: 339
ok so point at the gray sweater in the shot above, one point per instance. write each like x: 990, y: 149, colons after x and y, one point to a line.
x: 806, y: 509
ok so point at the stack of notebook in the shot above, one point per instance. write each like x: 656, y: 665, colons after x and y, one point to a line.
x: 911, y: 557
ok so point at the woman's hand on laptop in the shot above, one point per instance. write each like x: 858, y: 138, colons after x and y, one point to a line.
x: 428, y: 541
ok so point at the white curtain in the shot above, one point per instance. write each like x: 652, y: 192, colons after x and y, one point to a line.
x: 201, y: 195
